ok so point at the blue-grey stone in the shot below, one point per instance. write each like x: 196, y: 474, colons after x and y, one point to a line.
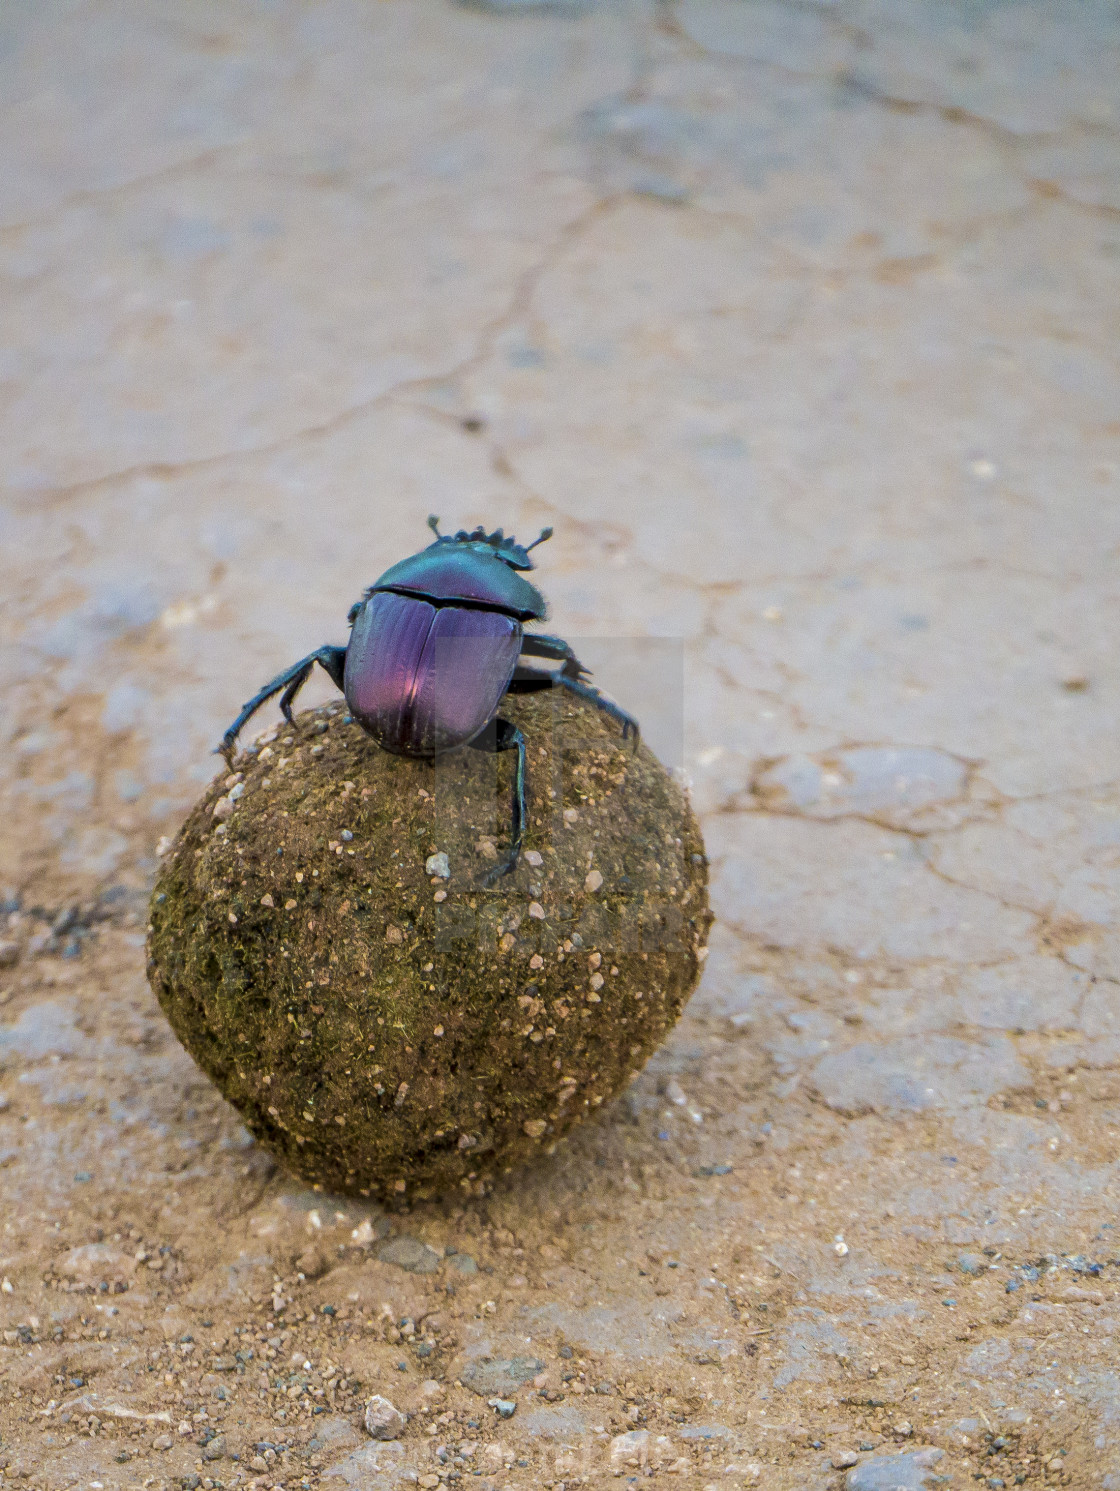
x: 409, y: 1253
x: 381, y: 1464
x: 500, y: 1375
x: 912, y: 1472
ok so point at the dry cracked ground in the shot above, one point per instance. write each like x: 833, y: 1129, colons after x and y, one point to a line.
x: 799, y: 322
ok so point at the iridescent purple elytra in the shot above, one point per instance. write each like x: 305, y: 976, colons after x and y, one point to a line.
x: 423, y: 678
x: 435, y: 645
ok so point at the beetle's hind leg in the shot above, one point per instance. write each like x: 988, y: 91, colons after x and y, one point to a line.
x: 332, y: 659
x: 500, y: 735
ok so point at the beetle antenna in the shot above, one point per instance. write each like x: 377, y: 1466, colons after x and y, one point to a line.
x: 433, y: 524
x: 546, y: 533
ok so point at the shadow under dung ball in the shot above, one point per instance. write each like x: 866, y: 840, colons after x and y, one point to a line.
x: 323, y: 946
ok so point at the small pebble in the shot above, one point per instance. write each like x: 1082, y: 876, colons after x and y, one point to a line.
x: 536, y: 910
x: 383, y: 1420
x: 534, y: 858
x: 593, y: 881
x: 844, y: 1459
x: 505, y: 1407
x: 436, y: 864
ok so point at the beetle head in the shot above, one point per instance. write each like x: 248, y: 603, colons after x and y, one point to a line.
x: 508, y: 549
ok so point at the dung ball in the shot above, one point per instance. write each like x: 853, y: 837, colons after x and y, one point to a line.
x: 326, y: 946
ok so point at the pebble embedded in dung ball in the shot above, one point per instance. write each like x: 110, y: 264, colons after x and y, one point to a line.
x: 325, y: 944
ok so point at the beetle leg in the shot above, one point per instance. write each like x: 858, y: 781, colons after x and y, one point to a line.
x: 570, y: 675
x: 540, y: 644
x: 332, y: 659
x: 500, y: 735
x: 291, y: 681
x: 630, y: 726
x: 532, y: 680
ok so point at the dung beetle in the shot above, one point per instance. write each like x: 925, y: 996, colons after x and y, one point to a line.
x: 435, y: 645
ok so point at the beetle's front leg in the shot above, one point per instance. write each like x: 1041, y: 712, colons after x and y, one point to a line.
x: 332, y: 659
x: 540, y: 644
x: 570, y: 675
x: 500, y: 735
x: 630, y: 727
